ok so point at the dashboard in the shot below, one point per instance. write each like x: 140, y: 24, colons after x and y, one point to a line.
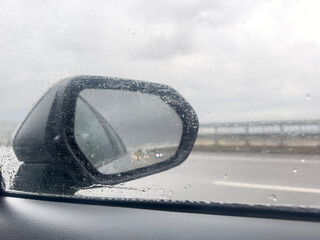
x: 38, y: 219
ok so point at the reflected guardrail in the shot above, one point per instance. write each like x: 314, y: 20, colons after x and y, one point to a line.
x: 263, y: 136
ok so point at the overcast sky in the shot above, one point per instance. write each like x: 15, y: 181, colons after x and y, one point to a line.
x: 232, y: 60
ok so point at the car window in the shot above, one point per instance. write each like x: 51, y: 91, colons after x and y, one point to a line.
x: 249, y: 69
x: 95, y: 137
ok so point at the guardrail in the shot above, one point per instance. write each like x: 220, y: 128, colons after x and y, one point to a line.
x: 269, y: 136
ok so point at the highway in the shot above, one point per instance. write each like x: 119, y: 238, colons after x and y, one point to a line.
x: 249, y: 178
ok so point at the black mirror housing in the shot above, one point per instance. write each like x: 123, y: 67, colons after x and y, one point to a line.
x: 46, y: 144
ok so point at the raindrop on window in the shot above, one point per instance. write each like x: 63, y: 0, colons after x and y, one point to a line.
x: 273, y: 198
x: 308, y: 97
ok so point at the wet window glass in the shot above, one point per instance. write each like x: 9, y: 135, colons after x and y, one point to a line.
x: 248, y: 68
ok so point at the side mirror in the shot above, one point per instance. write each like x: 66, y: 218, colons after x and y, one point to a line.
x: 91, y: 130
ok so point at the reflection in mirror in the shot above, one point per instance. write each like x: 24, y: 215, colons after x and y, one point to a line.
x: 119, y: 131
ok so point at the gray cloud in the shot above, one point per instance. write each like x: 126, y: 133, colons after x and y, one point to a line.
x: 232, y: 60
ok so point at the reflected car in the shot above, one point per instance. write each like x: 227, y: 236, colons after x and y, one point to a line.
x: 139, y: 154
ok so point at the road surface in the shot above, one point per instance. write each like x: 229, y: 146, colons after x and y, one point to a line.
x: 250, y: 178
x: 253, y: 178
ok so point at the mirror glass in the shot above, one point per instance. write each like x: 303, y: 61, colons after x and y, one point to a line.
x: 119, y: 131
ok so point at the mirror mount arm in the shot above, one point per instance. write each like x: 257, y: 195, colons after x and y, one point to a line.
x: 46, y: 178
